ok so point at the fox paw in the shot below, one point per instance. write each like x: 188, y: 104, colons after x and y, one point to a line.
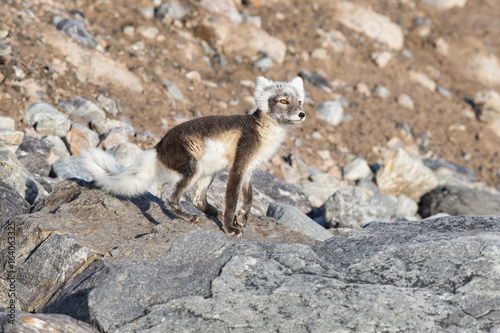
x: 233, y: 231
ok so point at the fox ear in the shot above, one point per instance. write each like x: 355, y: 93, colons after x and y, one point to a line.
x: 298, y: 84
x: 262, y: 94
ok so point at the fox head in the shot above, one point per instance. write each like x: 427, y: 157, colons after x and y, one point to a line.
x: 281, y: 100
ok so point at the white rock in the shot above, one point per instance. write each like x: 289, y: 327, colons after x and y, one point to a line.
x: 406, y: 101
x: 485, y: 68
x: 442, y: 47
x: 376, y: 26
x: 7, y: 123
x: 11, y: 138
x: 331, y: 112
x: 422, y: 79
x: 487, y: 105
x: 58, y: 150
x: 148, y: 32
x: 406, y: 207
x: 402, y: 174
x: 47, y: 117
x: 114, y: 137
x: 356, y: 169
x: 317, y: 194
x: 320, y: 54
x: 445, y: 4
x: 381, y: 58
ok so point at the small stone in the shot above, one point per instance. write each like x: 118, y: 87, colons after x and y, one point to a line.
x: 114, y: 137
x: 148, y: 12
x: 406, y: 101
x: 175, y: 10
x: 103, y: 127
x: 381, y: 59
x: 33, y: 154
x: 18, y: 72
x: 129, y: 31
x: 128, y: 126
x: 148, y: 32
x: 316, y: 135
x: 10, y: 138
x: 315, y: 80
x: 5, y: 49
x: 405, y: 207
x: 320, y: 54
x: 194, y: 76
x: 75, y: 30
x: 317, y: 194
x: 443, y: 91
x: 256, y: 21
x: 357, y: 169
x: 263, y: 64
x: 70, y: 167
x: 173, y: 90
x: 88, y: 110
x: 298, y: 142
x: 382, y: 92
x: 333, y: 38
x: 442, y: 47
x: 445, y: 4
x: 487, y: 106
x: 81, y: 138
x: 422, y: 79
x: 125, y: 153
x: 331, y: 112
x: 110, y: 106
x: 58, y: 149
x: 363, y: 89
x: 51, y: 121
x: 7, y: 123
x: 292, y: 218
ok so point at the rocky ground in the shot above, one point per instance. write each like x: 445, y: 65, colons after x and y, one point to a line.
x: 403, y: 128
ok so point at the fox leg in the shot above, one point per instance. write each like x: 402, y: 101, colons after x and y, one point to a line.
x: 175, y: 199
x: 200, y: 196
x: 232, y: 191
x: 247, y: 197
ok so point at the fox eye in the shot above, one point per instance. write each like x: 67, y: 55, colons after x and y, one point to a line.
x: 284, y: 101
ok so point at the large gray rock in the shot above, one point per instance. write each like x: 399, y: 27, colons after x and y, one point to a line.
x: 15, y: 174
x: 430, y: 276
x: 351, y: 207
x: 77, y: 224
x: 88, y: 110
x: 463, y: 172
x: 39, y: 322
x: 43, y: 113
x: 11, y: 203
x: 292, y: 218
x: 70, y: 167
x: 34, y: 154
x: 456, y: 200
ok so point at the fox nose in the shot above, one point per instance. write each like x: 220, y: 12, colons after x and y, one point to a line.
x: 302, y: 115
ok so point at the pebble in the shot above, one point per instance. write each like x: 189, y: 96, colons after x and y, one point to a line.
x: 320, y: 53
x: 129, y: 31
x: 443, y: 91
x: 128, y: 126
x: 173, y: 90
x: 381, y: 59
x: 316, y: 135
x: 5, y: 49
x: 441, y: 46
x: 81, y: 138
x: 46, y: 119
x: 382, y: 92
x: 175, y: 10
x: 18, y: 72
x: 422, y: 79
x: 487, y: 105
x: 406, y: 101
x: 147, y: 12
x: 75, y: 30
x: 148, y: 32
x: 331, y: 112
x: 264, y: 64
x: 315, y: 80
x: 363, y: 89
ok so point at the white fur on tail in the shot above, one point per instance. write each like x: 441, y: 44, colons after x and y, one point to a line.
x: 117, y: 179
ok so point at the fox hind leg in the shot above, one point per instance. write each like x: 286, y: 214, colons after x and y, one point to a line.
x: 200, y: 196
x: 174, y: 201
x: 247, y: 198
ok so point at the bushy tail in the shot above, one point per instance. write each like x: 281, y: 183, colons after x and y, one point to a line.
x: 117, y: 179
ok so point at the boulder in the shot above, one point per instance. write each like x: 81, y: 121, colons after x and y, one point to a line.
x: 457, y: 200
x: 81, y: 138
x: 424, y: 276
x: 34, y: 155
x: 69, y: 167
x: 351, y: 207
x: 53, y: 122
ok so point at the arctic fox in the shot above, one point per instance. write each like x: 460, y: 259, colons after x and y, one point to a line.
x: 195, y: 150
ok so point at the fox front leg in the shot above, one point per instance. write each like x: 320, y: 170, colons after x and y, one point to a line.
x: 247, y: 197
x: 232, y: 191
